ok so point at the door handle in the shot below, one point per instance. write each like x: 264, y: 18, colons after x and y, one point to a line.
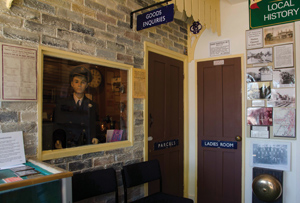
x: 151, y: 120
x: 238, y: 138
x: 150, y: 138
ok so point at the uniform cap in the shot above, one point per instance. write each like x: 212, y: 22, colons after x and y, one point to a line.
x: 81, y: 71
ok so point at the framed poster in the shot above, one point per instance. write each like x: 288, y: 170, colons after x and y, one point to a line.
x: 258, y: 90
x: 19, y: 72
x: 254, y: 39
x: 284, y: 78
x: 284, y: 122
x: 264, y: 55
x: 280, y: 34
x: 284, y: 56
x: 282, y: 98
x: 260, y: 116
x: 273, y: 155
x: 259, y: 74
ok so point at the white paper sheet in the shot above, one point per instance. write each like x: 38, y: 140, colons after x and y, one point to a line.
x: 11, y: 149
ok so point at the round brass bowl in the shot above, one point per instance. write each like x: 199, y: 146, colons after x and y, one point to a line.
x: 266, y: 188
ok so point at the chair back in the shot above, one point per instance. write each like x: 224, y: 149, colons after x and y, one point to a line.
x: 94, y: 183
x: 140, y: 173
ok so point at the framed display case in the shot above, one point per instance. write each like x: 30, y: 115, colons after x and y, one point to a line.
x: 81, y: 98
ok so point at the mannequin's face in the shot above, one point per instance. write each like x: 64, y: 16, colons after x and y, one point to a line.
x: 79, y: 84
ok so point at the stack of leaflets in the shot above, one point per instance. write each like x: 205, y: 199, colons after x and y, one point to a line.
x: 24, y: 171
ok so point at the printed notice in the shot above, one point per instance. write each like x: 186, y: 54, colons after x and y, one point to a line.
x: 11, y: 149
x: 254, y: 39
x: 139, y: 83
x: 219, y: 48
x: 19, y: 73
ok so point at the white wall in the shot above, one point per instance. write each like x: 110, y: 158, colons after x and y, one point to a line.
x: 234, y: 23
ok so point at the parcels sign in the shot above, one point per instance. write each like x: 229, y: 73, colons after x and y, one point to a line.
x: 264, y: 13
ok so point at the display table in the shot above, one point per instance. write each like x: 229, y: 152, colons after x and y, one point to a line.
x: 52, y: 184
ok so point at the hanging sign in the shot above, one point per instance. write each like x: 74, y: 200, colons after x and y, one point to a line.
x: 155, y: 17
x: 264, y: 13
x: 219, y: 144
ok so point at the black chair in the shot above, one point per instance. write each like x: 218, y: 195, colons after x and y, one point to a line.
x: 140, y: 173
x: 94, y: 183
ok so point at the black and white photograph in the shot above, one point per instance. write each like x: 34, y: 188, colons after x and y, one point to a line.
x: 279, y: 34
x: 264, y: 55
x: 284, y: 56
x: 254, y: 38
x: 284, y: 122
x: 260, y: 116
x: 282, y: 98
x: 274, y: 155
x: 258, y: 90
x: 259, y: 74
x: 284, y: 78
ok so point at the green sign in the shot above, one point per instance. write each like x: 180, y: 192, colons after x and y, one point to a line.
x: 264, y: 13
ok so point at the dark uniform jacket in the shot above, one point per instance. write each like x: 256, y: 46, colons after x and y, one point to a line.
x: 78, y: 122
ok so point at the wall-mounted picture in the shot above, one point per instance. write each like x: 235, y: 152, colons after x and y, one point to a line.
x: 284, y: 56
x: 284, y: 122
x: 258, y: 90
x: 273, y: 155
x: 279, y: 34
x: 284, y: 78
x: 254, y: 38
x: 282, y: 98
x: 259, y: 74
x: 260, y: 132
x: 260, y: 116
x: 255, y: 56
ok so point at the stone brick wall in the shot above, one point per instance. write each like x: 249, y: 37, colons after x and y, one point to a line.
x: 99, y: 28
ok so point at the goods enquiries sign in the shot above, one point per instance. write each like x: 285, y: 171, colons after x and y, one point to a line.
x: 264, y: 13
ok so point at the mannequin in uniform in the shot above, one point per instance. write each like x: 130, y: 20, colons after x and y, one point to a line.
x: 76, y: 115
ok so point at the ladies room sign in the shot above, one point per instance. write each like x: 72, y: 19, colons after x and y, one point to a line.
x: 264, y: 13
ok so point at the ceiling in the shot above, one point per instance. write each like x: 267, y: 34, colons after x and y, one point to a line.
x: 236, y: 1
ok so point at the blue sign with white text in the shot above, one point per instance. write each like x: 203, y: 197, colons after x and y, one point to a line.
x: 219, y: 144
x: 166, y: 144
x: 156, y: 17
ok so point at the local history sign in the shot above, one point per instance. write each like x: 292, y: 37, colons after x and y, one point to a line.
x: 264, y: 13
x: 155, y: 17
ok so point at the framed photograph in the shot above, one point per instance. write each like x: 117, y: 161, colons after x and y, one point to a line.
x: 260, y: 116
x: 254, y: 39
x: 273, y: 155
x: 282, y: 98
x: 284, y: 78
x: 260, y: 132
x: 280, y: 34
x: 264, y: 55
x: 284, y: 56
x: 259, y: 74
x: 284, y: 122
x: 258, y: 90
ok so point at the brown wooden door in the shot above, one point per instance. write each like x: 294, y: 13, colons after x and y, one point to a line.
x: 165, y: 109
x: 219, y: 119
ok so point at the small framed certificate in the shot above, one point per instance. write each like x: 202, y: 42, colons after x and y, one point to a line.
x: 260, y: 132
